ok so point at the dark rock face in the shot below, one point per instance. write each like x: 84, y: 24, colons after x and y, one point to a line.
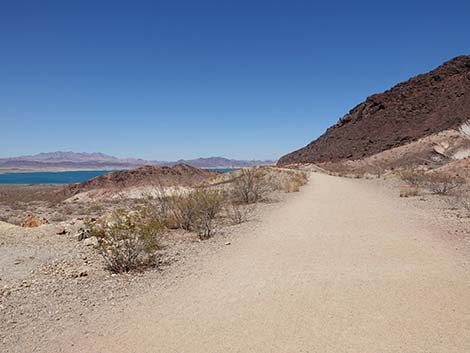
x: 423, y: 105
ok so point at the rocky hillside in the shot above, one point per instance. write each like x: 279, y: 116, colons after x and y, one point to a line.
x: 180, y: 174
x: 422, y: 106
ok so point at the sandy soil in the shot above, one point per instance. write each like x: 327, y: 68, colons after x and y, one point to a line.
x: 343, y: 266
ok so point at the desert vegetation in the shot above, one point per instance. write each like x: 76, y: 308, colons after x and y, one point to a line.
x: 128, y: 239
x: 433, y: 182
x: 453, y: 190
x: 130, y: 228
x: 197, y: 211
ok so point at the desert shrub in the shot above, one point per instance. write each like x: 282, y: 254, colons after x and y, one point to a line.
x: 434, y: 182
x: 238, y: 214
x: 162, y: 205
x: 210, y: 205
x: 250, y: 186
x: 412, y: 177
x: 197, y: 211
x: 441, y: 184
x: 128, y: 240
x: 185, y: 209
x: 295, y: 181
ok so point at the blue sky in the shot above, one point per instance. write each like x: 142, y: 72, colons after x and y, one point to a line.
x: 183, y: 79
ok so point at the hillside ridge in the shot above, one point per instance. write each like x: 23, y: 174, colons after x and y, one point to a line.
x: 421, y: 106
x: 177, y: 175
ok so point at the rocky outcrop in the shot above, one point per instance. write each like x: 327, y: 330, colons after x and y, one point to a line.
x: 422, y: 106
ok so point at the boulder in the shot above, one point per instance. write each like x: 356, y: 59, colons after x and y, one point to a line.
x: 60, y: 230
x: 92, y: 241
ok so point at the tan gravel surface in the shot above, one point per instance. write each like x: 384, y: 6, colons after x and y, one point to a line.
x: 342, y: 266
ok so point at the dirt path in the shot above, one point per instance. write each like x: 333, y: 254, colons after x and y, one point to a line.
x: 340, y: 267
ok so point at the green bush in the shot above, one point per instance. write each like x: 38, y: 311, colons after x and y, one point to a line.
x: 129, y: 239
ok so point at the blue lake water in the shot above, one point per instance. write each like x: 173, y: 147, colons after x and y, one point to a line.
x: 76, y: 176
x: 223, y: 170
x: 50, y: 177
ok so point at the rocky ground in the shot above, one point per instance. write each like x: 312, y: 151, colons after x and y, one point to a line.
x: 344, y: 263
x: 50, y: 280
x: 51, y: 276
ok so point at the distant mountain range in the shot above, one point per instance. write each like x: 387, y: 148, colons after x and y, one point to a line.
x: 61, y: 161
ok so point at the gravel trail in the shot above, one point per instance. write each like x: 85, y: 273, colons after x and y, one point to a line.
x: 342, y: 266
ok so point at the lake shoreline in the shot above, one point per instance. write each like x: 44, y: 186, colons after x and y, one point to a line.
x: 62, y: 177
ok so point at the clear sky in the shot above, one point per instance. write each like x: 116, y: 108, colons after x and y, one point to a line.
x: 183, y: 79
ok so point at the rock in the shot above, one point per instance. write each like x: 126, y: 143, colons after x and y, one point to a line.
x: 92, y: 241
x: 33, y: 221
x: 228, y: 243
x: 82, y: 234
x: 60, y: 230
x: 83, y: 272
